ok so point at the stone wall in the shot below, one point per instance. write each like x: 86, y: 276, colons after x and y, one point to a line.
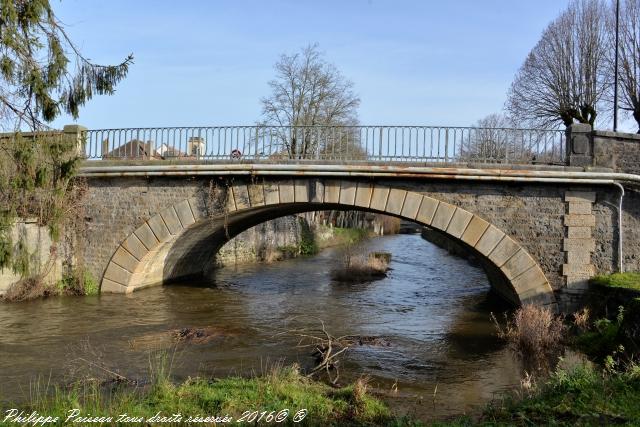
x: 618, y: 151
x: 39, y: 246
x: 264, y: 242
x: 117, y: 206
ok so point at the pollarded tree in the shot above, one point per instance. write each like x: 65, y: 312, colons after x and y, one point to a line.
x: 43, y: 72
x: 308, y: 91
x: 564, y: 78
x: 629, y: 55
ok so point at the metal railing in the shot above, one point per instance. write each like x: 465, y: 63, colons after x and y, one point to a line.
x: 436, y: 144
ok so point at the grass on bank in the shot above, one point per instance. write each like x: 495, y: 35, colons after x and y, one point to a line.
x: 584, y: 395
x: 279, y: 389
x: 630, y: 280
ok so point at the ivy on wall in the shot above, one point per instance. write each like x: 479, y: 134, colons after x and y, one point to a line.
x: 36, y: 173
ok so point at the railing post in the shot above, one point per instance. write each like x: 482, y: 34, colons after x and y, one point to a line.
x: 579, y: 144
x: 78, y: 134
x: 446, y: 145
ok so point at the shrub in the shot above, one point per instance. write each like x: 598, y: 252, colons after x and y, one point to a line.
x: 533, y: 331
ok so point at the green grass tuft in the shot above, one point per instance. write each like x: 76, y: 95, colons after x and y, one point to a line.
x: 629, y: 280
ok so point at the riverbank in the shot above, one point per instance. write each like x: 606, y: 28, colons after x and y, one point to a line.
x: 282, y: 395
x: 293, y: 236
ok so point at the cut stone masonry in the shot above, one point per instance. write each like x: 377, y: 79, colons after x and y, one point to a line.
x: 579, y: 243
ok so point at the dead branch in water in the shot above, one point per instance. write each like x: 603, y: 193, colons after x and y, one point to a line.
x: 326, y: 347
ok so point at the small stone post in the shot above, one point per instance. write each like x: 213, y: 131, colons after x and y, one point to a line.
x: 77, y: 133
x: 579, y: 144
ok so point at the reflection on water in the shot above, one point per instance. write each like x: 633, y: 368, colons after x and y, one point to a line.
x: 431, y: 308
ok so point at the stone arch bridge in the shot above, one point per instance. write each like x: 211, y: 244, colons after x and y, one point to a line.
x: 538, y: 240
x: 540, y: 231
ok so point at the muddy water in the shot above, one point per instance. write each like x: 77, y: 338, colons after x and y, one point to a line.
x: 438, y: 355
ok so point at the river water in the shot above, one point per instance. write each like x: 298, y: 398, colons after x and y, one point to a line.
x: 439, y: 355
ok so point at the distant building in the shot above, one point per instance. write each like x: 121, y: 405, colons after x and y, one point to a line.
x: 136, y: 149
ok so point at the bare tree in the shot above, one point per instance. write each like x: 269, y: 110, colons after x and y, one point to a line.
x: 629, y: 55
x: 489, y: 140
x: 306, y: 92
x: 564, y: 77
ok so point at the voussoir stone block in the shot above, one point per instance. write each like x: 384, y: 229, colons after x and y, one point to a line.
x: 459, y: 222
x: 503, y: 251
x: 427, y: 210
x: 287, y: 192
x: 395, y: 201
x: 109, y: 286
x: 363, y: 195
x: 117, y: 274
x: 271, y: 194
x: 159, y: 228
x: 197, y: 208
x: 301, y: 191
x: 146, y: 236
x: 489, y: 240
x: 443, y: 216
x: 135, y: 247
x: 240, y: 196
x: 170, y: 218
x: 332, y: 192
x: 183, y: 210
x: 348, y: 193
x: 256, y: 194
x: 517, y: 264
x: 476, y: 228
x: 531, y: 278
x: 379, y: 198
x: 125, y: 260
x: 411, y: 205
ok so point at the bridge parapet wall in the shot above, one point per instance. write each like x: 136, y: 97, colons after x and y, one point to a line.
x: 618, y: 151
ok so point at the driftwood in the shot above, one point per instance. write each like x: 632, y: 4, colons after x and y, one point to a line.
x: 326, y: 348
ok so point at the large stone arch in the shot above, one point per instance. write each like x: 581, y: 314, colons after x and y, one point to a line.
x: 176, y: 242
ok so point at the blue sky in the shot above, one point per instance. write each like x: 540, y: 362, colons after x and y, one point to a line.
x: 208, y: 62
